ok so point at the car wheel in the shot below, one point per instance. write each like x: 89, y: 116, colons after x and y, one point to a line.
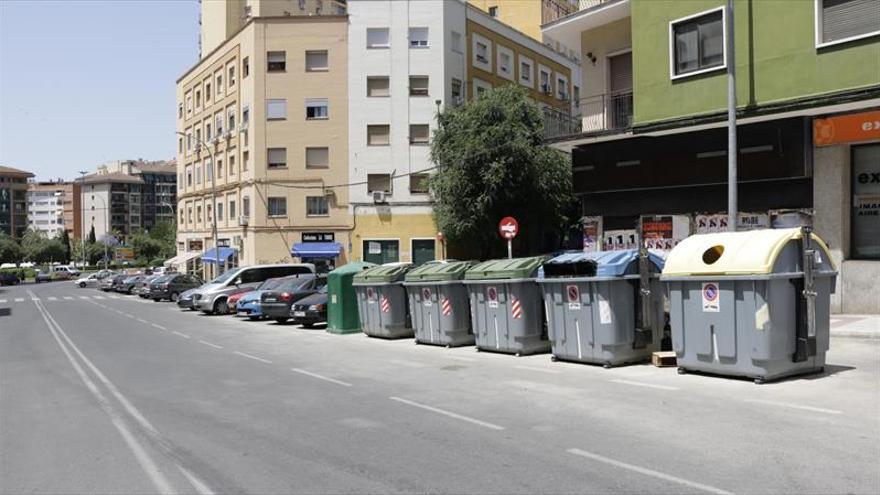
x: 308, y: 325
x: 156, y: 299
x: 173, y: 297
x: 221, y: 307
x: 254, y: 318
x: 281, y: 320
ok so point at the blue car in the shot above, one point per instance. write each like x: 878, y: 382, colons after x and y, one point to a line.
x: 249, y: 303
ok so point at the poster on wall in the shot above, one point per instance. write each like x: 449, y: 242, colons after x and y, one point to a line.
x: 618, y: 240
x: 786, y: 219
x: 662, y: 233
x: 717, y: 222
x: 592, y: 230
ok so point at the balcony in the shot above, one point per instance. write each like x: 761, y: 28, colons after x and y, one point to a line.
x: 600, y: 114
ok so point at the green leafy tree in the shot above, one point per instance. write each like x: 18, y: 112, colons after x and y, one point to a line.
x: 492, y: 163
x: 32, y: 244
x: 64, y: 239
x: 145, y: 246
x: 49, y: 251
x: 10, y: 251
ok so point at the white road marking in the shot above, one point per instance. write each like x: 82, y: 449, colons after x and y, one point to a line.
x: 143, y: 321
x: 200, y: 487
x: 2, y: 301
x: 648, y: 472
x: 34, y: 298
x: 252, y: 357
x: 68, y: 298
x: 146, y: 462
x: 52, y: 298
x: 113, y: 297
x: 448, y: 413
x: 535, y: 368
x: 648, y: 385
x: 175, y: 332
x: 83, y: 297
x: 128, y: 315
x: 461, y: 358
x: 795, y: 406
x: 215, y: 346
x: 404, y: 362
x: 321, y: 377
x: 160, y: 327
x: 97, y: 297
x: 19, y: 299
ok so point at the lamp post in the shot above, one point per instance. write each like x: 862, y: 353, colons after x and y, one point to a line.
x: 82, y: 211
x: 213, y: 200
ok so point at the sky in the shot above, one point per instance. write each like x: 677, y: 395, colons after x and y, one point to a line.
x: 86, y: 82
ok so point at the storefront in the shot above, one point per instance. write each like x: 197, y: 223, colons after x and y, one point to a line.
x: 218, y: 260
x: 319, y: 248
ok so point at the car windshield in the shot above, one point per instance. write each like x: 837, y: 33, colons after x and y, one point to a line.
x: 270, y: 284
x: 226, y: 276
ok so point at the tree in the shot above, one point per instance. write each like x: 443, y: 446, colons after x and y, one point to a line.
x: 92, y: 239
x: 64, y: 239
x: 10, y: 251
x: 32, y: 244
x: 492, y: 163
x: 145, y: 246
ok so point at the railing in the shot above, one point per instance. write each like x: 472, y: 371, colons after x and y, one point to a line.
x: 607, y: 112
x: 589, y: 4
x: 554, y: 9
x: 560, y: 123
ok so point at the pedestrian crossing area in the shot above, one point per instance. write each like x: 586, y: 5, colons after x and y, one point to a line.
x: 7, y: 299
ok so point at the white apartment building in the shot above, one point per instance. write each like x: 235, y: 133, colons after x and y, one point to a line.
x: 46, y: 211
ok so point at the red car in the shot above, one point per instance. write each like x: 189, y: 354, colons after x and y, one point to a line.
x: 233, y: 298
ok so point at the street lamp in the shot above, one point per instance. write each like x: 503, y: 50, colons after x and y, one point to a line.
x: 213, y: 199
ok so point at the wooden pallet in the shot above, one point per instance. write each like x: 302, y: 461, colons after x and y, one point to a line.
x: 662, y: 359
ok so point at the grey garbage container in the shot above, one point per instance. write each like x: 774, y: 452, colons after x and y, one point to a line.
x: 438, y: 304
x: 506, y: 306
x: 754, y: 304
x: 604, y: 307
x: 382, y: 301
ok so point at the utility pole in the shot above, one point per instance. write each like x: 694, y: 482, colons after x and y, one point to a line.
x: 732, y: 212
x: 82, y: 214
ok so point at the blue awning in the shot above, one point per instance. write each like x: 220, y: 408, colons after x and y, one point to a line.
x: 210, y: 256
x: 316, y: 249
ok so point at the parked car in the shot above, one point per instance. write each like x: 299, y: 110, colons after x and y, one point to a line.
x: 171, y: 286
x: 88, y: 281
x: 9, y: 278
x: 311, y: 310
x: 185, y: 299
x: 109, y: 282
x: 64, y: 272
x: 142, y: 288
x: 126, y: 286
x: 233, y: 299
x: 248, y: 304
x: 277, y: 303
x: 43, y: 276
x: 212, y: 297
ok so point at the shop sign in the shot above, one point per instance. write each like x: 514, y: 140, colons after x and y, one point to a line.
x: 851, y: 128
x: 319, y: 237
x: 124, y: 254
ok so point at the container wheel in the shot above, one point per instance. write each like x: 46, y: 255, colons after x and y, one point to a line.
x: 553, y: 358
x: 607, y: 366
x: 416, y: 341
x: 518, y: 354
x: 476, y: 349
x: 681, y: 371
x: 449, y: 346
x: 759, y: 380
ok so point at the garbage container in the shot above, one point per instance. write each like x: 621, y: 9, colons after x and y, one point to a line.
x: 438, y: 304
x: 753, y: 304
x: 342, y: 311
x: 506, y: 306
x: 382, y: 301
x: 604, y: 307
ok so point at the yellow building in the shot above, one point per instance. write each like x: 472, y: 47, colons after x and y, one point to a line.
x: 527, y: 15
x: 262, y: 129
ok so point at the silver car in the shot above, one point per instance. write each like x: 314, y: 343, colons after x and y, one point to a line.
x: 211, y: 297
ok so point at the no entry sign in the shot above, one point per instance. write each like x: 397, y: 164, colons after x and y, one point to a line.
x: 508, y: 228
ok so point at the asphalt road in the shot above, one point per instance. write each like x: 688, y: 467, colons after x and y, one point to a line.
x: 112, y: 394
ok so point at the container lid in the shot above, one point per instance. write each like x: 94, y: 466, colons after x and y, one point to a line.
x: 506, y: 269
x: 439, y: 272
x: 393, y: 272
x: 608, y: 263
x: 353, y: 267
x: 752, y: 252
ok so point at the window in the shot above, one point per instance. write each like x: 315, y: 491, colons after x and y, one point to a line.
x: 246, y: 206
x: 456, y: 92
x: 377, y: 86
x: 838, y: 21
x: 697, y: 43
x: 418, y: 85
x: 219, y: 168
x: 218, y: 124
x: 455, y: 42
x: 198, y: 174
x: 378, y: 38
x: 180, y: 145
x: 180, y: 110
x: 277, y: 207
x: 316, y: 61
x: 231, y: 162
x: 189, y: 177
x: 381, y: 252
x: 561, y: 87
x: 545, y: 84
x: 230, y: 75
x: 419, y: 133
x: 276, y: 109
x: 493, y: 11
x: 480, y: 87
x: 317, y: 157
x: 418, y: 37
x: 232, y: 209
x: 378, y: 135
x: 198, y: 99
x: 317, y: 108
x: 276, y: 157
x: 245, y: 67
x: 209, y: 169
x: 246, y: 115
x: 379, y: 182
x: 230, y: 116
x: 504, y: 62
x: 208, y: 131
x: 481, y: 54
x: 189, y: 104
x: 245, y: 160
x: 207, y: 92
x: 423, y: 251
x: 277, y: 61
x: 219, y: 212
x: 317, y: 206
x: 418, y: 183
x: 219, y: 84
x: 199, y: 213
x: 865, y: 223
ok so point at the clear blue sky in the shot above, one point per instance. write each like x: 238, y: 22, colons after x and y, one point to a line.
x: 85, y: 82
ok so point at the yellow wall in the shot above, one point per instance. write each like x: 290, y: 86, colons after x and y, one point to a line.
x: 523, y: 15
x: 402, y: 227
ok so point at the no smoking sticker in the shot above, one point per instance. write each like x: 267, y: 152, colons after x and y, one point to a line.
x: 711, y: 297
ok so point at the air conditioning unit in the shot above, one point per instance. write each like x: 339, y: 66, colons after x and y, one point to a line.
x: 379, y: 197
x: 243, y: 221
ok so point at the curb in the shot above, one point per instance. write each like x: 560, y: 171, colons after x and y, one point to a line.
x: 856, y: 334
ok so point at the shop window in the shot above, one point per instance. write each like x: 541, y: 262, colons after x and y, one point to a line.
x: 865, y: 218
x: 422, y: 251
x: 381, y: 251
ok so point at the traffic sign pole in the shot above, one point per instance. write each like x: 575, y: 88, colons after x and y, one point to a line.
x: 509, y: 249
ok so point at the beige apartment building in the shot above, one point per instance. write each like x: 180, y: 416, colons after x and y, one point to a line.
x: 262, y: 124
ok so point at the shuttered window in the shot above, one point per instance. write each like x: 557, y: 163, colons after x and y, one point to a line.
x: 621, y: 78
x: 846, y: 19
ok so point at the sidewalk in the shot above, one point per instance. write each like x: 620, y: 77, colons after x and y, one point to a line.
x: 856, y: 326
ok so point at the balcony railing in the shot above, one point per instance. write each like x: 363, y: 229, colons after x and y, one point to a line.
x: 608, y: 112
x: 560, y: 123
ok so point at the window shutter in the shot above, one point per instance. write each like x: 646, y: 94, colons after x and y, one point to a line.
x: 621, y: 73
x: 846, y: 18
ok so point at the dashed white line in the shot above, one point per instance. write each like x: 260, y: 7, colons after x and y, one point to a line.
x: 143, y: 321
x: 83, y: 297
x: 320, y: 377
x: 648, y: 472
x: 52, y: 298
x: 535, y: 368
x: 795, y: 406
x: 160, y: 327
x: 252, y: 357
x: 19, y: 299
x: 128, y: 315
x: 2, y: 301
x: 35, y: 299
x: 215, y: 346
x: 68, y: 298
x: 648, y: 385
x: 175, y: 332
x: 461, y: 358
x: 97, y: 297
x: 450, y: 414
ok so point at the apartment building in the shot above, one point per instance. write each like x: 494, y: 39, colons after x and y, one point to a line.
x: 262, y: 124
x: 652, y: 142
x: 125, y: 196
x: 53, y: 207
x: 527, y: 16
x: 13, y: 200
x: 408, y: 59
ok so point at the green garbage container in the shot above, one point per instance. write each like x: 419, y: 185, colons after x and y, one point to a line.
x: 506, y: 306
x: 382, y: 301
x: 342, y: 312
x: 438, y: 303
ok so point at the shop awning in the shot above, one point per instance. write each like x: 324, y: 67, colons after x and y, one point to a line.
x: 210, y: 256
x: 181, y: 259
x: 316, y: 249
